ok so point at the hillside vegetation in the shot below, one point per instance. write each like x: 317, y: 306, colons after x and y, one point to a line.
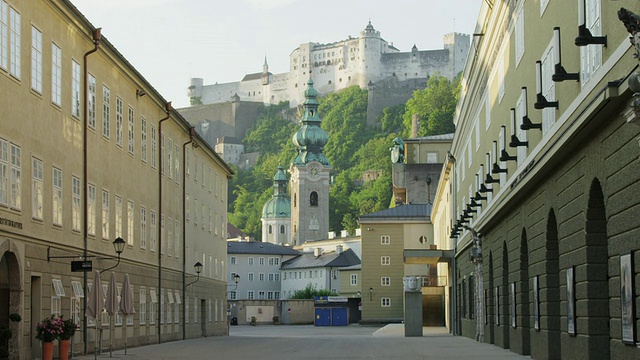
x: 353, y: 148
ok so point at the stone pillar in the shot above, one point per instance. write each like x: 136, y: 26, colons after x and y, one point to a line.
x: 412, y: 306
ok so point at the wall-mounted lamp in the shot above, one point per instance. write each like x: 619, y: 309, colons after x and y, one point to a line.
x: 370, y: 293
x: 370, y: 229
x: 490, y: 179
x: 118, y: 246
x: 504, y: 155
x: 560, y: 73
x: 496, y: 168
x: 140, y: 93
x: 584, y: 37
x: 474, y: 204
x: 526, y: 122
x: 515, y: 141
x: 483, y: 189
x: 478, y: 196
x: 198, y: 269
x: 541, y: 101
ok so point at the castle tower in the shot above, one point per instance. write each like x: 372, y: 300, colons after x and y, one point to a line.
x: 276, y: 213
x: 265, y: 72
x: 309, y: 182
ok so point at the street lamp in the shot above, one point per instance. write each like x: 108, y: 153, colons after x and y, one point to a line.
x: 236, y: 279
x: 198, y: 268
x: 118, y: 246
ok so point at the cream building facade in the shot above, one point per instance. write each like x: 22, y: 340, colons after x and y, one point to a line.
x: 544, y: 200
x: 69, y: 93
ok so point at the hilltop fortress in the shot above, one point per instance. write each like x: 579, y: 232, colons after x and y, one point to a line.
x: 367, y: 61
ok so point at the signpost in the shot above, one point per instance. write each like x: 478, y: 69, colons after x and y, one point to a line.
x: 81, y: 266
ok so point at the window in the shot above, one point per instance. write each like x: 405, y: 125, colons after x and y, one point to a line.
x: 167, y: 241
x: 385, y: 281
x: 591, y: 56
x: 313, y: 199
x: 432, y: 158
x: 354, y: 279
x: 105, y: 214
x: 385, y: 302
x: 170, y: 307
x: 4, y: 172
x: 143, y: 227
x: 131, y: 132
x: 16, y: 177
x: 250, y: 295
x: 37, y: 184
x: 56, y: 294
x: 519, y: 35
x: 14, y: 42
x: 270, y: 229
x: 92, y: 102
x: 176, y: 162
x: 209, y: 309
x: 500, y: 68
x: 487, y: 111
x: 261, y: 261
x: 250, y: 261
x: 162, y: 306
x: 76, y: 302
x: 162, y: 235
x: 130, y: 210
x: 106, y: 112
x: 476, y: 130
x: 36, y: 59
x: 75, y: 89
x: 143, y: 306
x: 385, y: 239
x: 195, y: 310
x: 543, y: 6
x: 152, y: 306
x: 153, y: 147
x: 162, y: 153
x: 143, y: 140
x: 233, y: 295
x: 119, y: 119
x: 186, y: 309
x: 276, y: 277
x: 548, y: 89
x: 385, y: 260
x: 250, y: 277
x: 4, y: 41
x: 521, y: 134
x: 261, y: 277
x: 118, y: 221
x: 75, y: 204
x: 271, y: 277
x: 282, y: 229
x: 261, y: 295
x: 118, y: 319
x: 232, y: 261
x: 169, y: 157
x: 57, y: 196
x: 176, y: 253
x: 90, y: 322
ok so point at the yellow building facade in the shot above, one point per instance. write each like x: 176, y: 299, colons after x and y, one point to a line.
x: 83, y: 137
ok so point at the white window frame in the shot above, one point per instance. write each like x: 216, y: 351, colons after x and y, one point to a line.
x: 4, y: 34
x: 385, y: 260
x: 176, y: 313
x: 154, y: 161
x: 106, y: 208
x: 143, y: 227
x: 152, y: 306
x: 91, y: 209
x: 519, y: 35
x: 548, y: 88
x: 385, y: 281
x: 4, y: 172
x: 385, y: 302
x: 154, y: 231
x: 37, y: 188
x: 36, y: 59
x: 354, y: 280
x: 130, y: 222
x: 385, y: 239
x: 57, y: 196
x: 91, y: 119
x: 142, y: 319
x: 75, y: 89
x: 119, y: 120
x: 14, y: 43
x: 143, y: 140
x: 76, y: 216
x: 15, y: 198
x: 591, y: 55
x: 131, y: 138
x: 118, y: 220
x: 106, y: 112
x: 57, y: 294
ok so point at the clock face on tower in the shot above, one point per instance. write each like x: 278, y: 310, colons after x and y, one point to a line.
x: 314, y: 171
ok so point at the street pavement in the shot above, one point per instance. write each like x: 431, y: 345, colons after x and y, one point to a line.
x: 278, y: 342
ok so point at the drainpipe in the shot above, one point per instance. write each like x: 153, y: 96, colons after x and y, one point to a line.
x: 454, y: 265
x: 192, y: 132
x: 85, y: 229
x: 160, y: 170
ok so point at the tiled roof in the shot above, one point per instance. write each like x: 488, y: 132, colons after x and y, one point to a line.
x: 434, y: 137
x: 332, y: 259
x: 409, y: 211
x: 234, y: 232
x: 255, y: 247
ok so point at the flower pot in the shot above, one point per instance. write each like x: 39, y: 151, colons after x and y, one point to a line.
x: 63, y: 349
x: 47, y: 350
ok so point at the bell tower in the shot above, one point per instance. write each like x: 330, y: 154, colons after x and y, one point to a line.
x: 309, y: 183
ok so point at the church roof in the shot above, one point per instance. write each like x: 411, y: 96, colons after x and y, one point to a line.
x: 402, y: 212
x: 254, y: 76
x: 256, y: 247
x: 331, y: 259
x: 277, y: 207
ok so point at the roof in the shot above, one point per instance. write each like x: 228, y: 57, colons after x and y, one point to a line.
x: 434, y: 137
x: 402, y: 212
x: 332, y: 259
x: 254, y: 76
x: 256, y: 247
x: 234, y: 232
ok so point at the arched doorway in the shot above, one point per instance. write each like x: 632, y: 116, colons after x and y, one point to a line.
x: 503, y: 298
x: 10, y: 296
x: 522, y: 296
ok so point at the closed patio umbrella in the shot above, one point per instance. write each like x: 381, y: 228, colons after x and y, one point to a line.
x: 95, y: 305
x: 112, y: 307
x: 126, y: 306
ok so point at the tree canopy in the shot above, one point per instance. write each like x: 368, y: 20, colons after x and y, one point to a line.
x: 435, y: 106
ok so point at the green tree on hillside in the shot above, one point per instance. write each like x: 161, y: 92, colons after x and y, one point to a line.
x: 435, y: 106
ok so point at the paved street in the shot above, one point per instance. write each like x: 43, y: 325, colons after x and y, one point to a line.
x: 270, y: 342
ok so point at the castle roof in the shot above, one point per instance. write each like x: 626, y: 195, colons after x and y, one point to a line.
x: 254, y: 76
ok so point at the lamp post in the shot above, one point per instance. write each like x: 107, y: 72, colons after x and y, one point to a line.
x: 198, y: 268
x: 236, y: 279
x: 118, y: 246
x: 192, y: 133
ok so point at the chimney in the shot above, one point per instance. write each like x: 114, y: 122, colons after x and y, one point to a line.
x: 332, y: 235
x: 358, y: 232
x: 415, y: 123
x: 339, y: 249
x: 317, y: 252
x: 344, y: 233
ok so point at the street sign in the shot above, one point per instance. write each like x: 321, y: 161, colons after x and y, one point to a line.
x: 81, y: 266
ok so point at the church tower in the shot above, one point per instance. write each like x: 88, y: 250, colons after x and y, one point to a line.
x: 265, y: 72
x: 309, y: 182
x: 276, y: 213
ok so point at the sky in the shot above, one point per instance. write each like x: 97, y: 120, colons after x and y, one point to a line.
x: 171, y: 41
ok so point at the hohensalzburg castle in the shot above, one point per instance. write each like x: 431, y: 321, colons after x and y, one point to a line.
x: 364, y: 61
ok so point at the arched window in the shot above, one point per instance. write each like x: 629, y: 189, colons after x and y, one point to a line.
x: 270, y: 229
x: 295, y: 199
x: 313, y: 199
x: 282, y: 229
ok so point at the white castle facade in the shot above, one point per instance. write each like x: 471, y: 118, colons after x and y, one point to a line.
x: 361, y: 61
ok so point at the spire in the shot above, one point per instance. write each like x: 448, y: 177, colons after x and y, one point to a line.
x: 310, y: 138
x: 279, y: 206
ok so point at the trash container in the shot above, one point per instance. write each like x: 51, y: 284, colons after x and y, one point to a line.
x: 234, y: 321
